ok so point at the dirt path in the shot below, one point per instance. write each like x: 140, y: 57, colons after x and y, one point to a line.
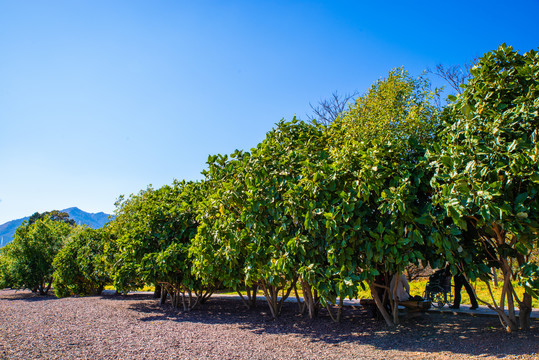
x: 135, y: 327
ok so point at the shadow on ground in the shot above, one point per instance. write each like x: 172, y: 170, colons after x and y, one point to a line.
x: 26, y: 295
x: 422, y: 332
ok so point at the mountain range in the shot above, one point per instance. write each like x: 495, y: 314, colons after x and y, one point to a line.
x: 94, y: 221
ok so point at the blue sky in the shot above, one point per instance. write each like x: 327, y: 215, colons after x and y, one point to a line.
x: 102, y: 98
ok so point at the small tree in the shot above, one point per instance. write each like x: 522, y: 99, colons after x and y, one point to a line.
x: 29, y: 257
x: 7, y: 275
x: 218, y: 249
x: 79, y: 268
x: 255, y: 227
x: 153, y: 231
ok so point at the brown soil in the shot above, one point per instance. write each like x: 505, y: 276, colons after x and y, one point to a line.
x: 136, y: 327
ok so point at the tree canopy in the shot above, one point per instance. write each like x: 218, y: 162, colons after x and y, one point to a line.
x: 79, y: 267
x: 28, y: 258
x: 487, y: 168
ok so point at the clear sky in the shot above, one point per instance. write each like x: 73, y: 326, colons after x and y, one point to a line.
x: 102, y: 98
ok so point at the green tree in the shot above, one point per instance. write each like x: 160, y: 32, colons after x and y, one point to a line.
x: 395, y: 109
x: 487, y: 172
x: 153, y: 231
x: 7, y: 275
x: 218, y: 249
x: 254, y: 228
x: 382, y: 222
x: 54, y: 215
x: 28, y: 258
x: 78, y: 267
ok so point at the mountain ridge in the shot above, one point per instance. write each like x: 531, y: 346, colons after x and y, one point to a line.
x: 93, y: 220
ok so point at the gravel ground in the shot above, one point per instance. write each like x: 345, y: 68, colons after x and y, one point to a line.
x: 136, y: 327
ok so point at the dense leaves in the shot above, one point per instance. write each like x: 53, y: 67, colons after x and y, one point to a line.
x: 256, y: 226
x: 54, y: 215
x: 382, y: 221
x: 79, y: 267
x: 152, y: 234
x: 27, y: 260
x: 487, y: 169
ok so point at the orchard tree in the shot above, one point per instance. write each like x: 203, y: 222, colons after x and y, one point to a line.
x: 27, y: 261
x: 255, y: 228
x: 218, y: 249
x: 153, y: 232
x: 289, y: 247
x: 487, y: 172
x: 395, y: 109
x: 79, y: 267
x: 7, y: 275
x: 383, y: 222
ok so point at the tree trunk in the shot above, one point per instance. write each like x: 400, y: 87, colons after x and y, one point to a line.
x: 309, y: 299
x: 250, y: 303
x: 164, y: 294
x: 272, y: 297
x: 252, y: 296
x: 525, y: 310
x: 380, y: 305
x: 43, y: 288
x: 510, y: 319
x: 245, y: 302
x: 184, y: 302
x: 301, y: 304
x: 395, y: 302
x: 157, y: 291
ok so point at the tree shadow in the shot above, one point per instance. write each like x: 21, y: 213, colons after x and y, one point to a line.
x: 422, y: 332
x: 25, y: 295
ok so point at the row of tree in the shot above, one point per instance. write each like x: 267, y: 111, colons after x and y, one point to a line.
x: 329, y: 208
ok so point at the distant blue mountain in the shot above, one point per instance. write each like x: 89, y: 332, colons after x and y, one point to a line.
x: 94, y: 221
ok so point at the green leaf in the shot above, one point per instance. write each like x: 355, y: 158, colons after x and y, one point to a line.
x: 521, y: 198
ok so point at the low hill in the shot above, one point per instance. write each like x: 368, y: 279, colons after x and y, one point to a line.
x: 81, y: 217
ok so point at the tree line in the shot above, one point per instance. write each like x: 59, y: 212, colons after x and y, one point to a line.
x: 329, y: 208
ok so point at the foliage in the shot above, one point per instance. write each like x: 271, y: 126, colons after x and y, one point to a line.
x: 255, y: 227
x: 394, y: 110
x: 528, y: 278
x: 218, y: 250
x: 487, y: 166
x: 54, y: 215
x: 7, y: 274
x: 78, y: 267
x: 382, y: 223
x: 27, y: 260
x: 153, y: 232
